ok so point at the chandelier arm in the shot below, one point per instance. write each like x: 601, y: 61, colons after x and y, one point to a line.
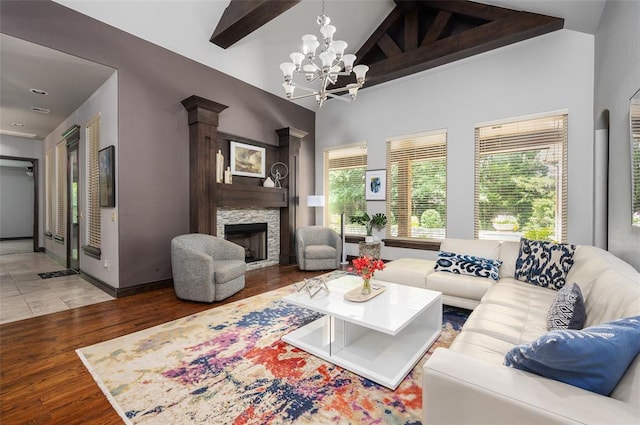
x: 342, y: 98
x: 314, y: 91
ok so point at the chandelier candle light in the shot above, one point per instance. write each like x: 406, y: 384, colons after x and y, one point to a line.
x: 332, y: 64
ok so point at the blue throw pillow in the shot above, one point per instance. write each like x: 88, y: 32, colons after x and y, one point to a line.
x: 468, y: 265
x: 567, y: 309
x: 594, y: 358
x: 544, y: 263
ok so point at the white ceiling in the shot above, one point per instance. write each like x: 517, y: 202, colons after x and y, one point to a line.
x: 68, y: 81
x: 185, y: 27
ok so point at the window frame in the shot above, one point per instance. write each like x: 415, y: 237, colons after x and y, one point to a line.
x: 434, y: 146
x: 533, y: 139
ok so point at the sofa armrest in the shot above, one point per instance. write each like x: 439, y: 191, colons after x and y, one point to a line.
x: 458, y: 388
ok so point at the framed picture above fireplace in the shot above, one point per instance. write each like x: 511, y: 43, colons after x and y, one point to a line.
x: 247, y: 160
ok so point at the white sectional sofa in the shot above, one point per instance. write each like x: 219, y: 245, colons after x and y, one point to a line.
x: 468, y: 383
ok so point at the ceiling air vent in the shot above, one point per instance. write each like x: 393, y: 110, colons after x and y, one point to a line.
x: 40, y: 110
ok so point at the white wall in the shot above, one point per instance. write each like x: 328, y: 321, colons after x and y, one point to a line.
x: 617, y: 78
x: 16, y: 203
x: 28, y: 148
x: 105, y: 102
x: 548, y: 73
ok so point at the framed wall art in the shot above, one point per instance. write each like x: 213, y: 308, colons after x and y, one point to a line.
x: 247, y: 160
x: 375, y: 185
x: 106, y: 162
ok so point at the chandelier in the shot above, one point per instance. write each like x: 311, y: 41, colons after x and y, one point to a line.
x: 324, y: 68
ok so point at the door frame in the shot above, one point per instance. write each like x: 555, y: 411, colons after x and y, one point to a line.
x: 72, y: 137
x: 36, y: 197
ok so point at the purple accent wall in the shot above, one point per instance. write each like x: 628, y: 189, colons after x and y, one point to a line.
x: 153, y: 153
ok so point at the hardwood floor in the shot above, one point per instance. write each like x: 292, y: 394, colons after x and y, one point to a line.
x: 43, y: 381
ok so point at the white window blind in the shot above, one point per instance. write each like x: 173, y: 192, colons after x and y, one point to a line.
x: 417, y: 187
x: 61, y: 188
x: 344, y: 172
x: 93, y: 182
x: 521, y: 180
x: 635, y: 161
x: 49, y: 196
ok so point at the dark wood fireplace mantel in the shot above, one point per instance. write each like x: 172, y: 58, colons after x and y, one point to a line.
x: 206, y: 196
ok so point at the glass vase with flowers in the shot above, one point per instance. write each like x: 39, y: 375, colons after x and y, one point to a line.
x: 366, y: 267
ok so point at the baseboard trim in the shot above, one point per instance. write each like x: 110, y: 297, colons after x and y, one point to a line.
x: 144, y: 287
x: 128, y: 291
x: 16, y: 238
x: 100, y: 284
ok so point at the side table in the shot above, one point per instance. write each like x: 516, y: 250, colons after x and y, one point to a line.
x: 369, y: 249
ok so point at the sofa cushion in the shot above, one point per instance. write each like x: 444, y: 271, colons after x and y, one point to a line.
x: 479, y: 248
x: 467, y: 264
x: 508, y: 255
x: 407, y: 271
x: 567, y: 310
x: 594, y: 358
x: 469, y: 287
x: 227, y: 270
x: 544, y: 263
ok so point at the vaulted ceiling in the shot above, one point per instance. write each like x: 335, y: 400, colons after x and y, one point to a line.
x: 415, y: 36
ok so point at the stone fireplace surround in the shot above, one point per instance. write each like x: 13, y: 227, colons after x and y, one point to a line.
x: 271, y: 216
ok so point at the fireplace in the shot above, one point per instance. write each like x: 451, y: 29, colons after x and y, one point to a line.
x: 252, y: 237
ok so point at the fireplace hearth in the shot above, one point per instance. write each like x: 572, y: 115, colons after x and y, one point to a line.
x: 252, y: 237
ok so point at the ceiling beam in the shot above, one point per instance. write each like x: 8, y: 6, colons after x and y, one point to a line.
x: 449, y: 30
x: 242, y: 17
x: 468, y: 43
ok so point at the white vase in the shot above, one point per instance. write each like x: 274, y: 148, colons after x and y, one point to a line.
x: 268, y: 182
x: 368, y: 239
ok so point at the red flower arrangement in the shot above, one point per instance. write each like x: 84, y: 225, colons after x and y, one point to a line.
x: 367, y: 266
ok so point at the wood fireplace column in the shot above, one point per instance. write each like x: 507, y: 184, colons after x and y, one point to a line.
x: 289, y: 141
x: 203, y: 142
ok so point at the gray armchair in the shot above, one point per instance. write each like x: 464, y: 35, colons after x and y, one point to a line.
x: 206, y: 268
x: 318, y: 248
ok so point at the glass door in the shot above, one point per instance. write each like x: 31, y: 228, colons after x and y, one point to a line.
x: 73, y: 236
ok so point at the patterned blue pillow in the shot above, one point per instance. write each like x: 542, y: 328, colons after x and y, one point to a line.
x: 543, y: 263
x: 567, y: 309
x: 594, y: 358
x: 467, y: 264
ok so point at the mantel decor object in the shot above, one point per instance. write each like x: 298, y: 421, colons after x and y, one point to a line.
x: 247, y: 160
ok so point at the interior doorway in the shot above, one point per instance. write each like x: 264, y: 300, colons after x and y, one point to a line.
x: 30, y: 168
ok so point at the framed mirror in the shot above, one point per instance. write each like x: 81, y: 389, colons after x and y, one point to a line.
x: 634, y: 120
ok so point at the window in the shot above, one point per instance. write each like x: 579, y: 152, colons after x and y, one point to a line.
x: 521, y: 180
x: 344, y: 172
x: 49, y: 185
x: 635, y: 159
x: 417, y: 186
x: 93, y: 181
x: 61, y: 186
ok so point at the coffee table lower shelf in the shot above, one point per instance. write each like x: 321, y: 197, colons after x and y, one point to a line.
x: 380, y: 357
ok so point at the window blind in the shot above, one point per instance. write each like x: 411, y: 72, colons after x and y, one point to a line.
x: 93, y: 182
x: 521, y: 179
x: 49, y: 183
x: 417, y: 186
x: 61, y: 186
x: 344, y: 172
x: 635, y: 161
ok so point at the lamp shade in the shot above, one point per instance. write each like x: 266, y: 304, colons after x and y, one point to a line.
x: 315, y: 201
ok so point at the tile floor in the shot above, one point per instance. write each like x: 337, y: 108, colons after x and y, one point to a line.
x: 23, y: 294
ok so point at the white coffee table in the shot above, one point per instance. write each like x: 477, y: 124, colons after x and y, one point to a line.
x: 381, y: 339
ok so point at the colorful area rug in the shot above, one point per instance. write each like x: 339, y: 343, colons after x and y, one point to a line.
x: 58, y: 273
x: 228, y: 365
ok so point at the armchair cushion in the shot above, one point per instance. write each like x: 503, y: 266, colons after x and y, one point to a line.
x: 318, y: 248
